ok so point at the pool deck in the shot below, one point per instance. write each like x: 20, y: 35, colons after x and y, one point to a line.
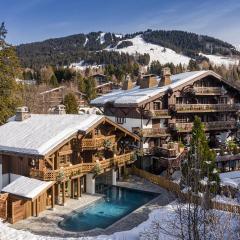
x: 47, y: 222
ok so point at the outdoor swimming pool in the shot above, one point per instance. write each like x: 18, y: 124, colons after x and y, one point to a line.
x: 117, y: 203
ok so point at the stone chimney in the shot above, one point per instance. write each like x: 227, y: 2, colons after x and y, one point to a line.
x: 148, y: 81
x: 60, y: 109
x: 127, y: 84
x: 165, y: 77
x: 22, y: 113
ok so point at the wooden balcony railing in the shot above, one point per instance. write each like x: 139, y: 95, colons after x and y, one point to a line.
x: 168, y: 153
x: 97, y: 142
x: 208, y: 90
x: 161, y: 113
x: 218, y: 125
x: 154, y: 132
x: 205, y: 107
x: 81, y: 168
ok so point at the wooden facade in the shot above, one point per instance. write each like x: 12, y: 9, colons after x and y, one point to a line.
x: 168, y: 115
x: 104, y: 146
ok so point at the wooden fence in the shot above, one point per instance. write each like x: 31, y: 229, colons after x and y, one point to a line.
x: 175, y: 188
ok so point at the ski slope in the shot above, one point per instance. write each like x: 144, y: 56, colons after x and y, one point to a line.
x: 156, y: 52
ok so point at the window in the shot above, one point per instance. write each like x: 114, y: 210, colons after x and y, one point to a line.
x: 64, y: 160
x: 120, y: 120
x: 97, y: 131
x: 156, y: 105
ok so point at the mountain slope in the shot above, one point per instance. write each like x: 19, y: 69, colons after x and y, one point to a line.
x: 165, y: 46
x: 156, y: 52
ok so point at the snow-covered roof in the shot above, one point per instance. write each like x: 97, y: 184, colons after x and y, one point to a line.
x: 27, y: 187
x: 40, y: 133
x: 136, y: 95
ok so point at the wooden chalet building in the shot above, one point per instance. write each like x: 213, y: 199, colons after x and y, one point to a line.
x: 45, y: 159
x: 103, y: 86
x: 49, y: 99
x: 162, y: 109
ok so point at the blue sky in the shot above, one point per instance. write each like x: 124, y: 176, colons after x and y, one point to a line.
x: 35, y: 20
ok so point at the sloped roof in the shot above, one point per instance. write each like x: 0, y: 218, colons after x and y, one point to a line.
x: 27, y: 187
x: 40, y: 133
x: 136, y: 96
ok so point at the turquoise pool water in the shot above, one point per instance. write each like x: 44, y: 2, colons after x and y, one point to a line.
x: 117, y: 203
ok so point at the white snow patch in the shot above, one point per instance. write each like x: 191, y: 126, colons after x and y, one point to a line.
x: 82, y: 66
x: 221, y: 60
x: 237, y: 47
x: 118, y: 35
x: 227, y: 200
x: 86, y: 41
x: 156, y: 52
x: 230, y: 179
x: 101, y: 37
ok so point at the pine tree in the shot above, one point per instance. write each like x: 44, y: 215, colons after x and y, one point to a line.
x: 199, y: 169
x: 70, y: 103
x: 90, y: 88
x: 9, y: 70
x: 53, y: 81
x: 80, y: 82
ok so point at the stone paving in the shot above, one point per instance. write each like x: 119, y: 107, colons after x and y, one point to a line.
x: 47, y: 222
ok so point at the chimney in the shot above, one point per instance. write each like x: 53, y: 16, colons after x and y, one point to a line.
x: 60, y: 109
x: 148, y: 81
x: 22, y: 113
x: 165, y: 77
x: 127, y: 84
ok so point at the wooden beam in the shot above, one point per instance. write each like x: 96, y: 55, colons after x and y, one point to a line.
x: 63, y: 193
x: 53, y: 196
x: 78, y: 188
x: 58, y: 192
x: 72, y: 188
x: 50, y: 163
x: 37, y: 210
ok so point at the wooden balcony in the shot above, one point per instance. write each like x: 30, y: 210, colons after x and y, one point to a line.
x: 80, y: 169
x: 161, y: 113
x: 191, y: 108
x: 168, y: 153
x: 209, y: 126
x: 208, y: 90
x: 97, y: 142
x: 154, y: 132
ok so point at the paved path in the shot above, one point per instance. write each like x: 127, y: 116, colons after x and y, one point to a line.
x: 47, y: 222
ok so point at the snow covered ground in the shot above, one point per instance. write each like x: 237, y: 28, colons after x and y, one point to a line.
x: 156, y: 52
x: 220, y: 60
x: 230, y: 179
x: 163, y: 215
